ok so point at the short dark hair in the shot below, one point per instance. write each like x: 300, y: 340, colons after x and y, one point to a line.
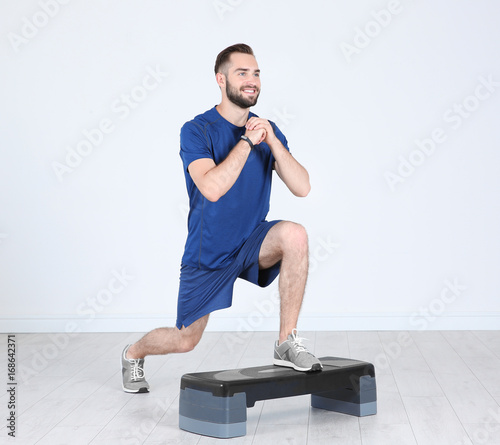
x: 223, y: 57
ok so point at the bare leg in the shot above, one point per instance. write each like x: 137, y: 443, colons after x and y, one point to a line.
x: 287, y: 241
x: 168, y: 340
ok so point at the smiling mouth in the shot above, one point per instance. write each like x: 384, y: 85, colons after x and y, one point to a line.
x: 249, y: 90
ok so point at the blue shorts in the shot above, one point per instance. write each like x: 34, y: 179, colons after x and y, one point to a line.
x: 204, y: 291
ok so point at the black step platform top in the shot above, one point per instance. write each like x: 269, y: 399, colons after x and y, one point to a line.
x: 272, y: 382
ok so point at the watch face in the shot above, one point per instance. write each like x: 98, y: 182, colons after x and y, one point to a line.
x: 247, y: 139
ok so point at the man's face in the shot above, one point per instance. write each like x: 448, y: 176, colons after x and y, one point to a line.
x: 243, y: 80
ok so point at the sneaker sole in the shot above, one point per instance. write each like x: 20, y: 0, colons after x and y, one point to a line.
x: 313, y: 368
x: 135, y: 391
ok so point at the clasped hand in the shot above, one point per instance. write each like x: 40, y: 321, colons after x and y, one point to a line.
x: 259, y: 130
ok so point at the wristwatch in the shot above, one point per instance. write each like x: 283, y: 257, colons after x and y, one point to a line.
x: 247, y: 139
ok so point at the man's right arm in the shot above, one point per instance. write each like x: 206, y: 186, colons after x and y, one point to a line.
x: 214, y: 181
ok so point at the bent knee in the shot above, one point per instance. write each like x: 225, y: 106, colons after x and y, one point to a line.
x: 188, y: 342
x: 294, y: 236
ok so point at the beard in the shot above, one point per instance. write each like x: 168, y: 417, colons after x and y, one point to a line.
x: 237, y: 97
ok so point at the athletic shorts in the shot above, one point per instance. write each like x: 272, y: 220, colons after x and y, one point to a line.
x: 204, y: 291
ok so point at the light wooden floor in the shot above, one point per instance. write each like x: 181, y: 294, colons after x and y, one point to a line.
x: 433, y: 388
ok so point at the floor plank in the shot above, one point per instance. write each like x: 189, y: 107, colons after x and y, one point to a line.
x: 433, y: 387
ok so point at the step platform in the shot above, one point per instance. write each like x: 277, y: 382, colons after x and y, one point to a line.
x: 215, y: 403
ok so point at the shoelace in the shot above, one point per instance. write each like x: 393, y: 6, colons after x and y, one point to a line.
x: 297, y: 342
x: 136, y: 373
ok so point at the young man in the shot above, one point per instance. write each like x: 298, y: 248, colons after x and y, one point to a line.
x: 229, y: 154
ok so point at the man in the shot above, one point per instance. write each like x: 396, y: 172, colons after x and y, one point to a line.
x: 228, y: 155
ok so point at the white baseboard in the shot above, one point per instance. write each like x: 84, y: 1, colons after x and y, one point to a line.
x: 248, y: 323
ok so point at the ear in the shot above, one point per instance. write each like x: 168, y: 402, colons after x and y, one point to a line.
x: 221, y: 79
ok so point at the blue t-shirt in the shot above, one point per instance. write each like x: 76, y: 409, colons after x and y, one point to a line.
x: 217, y: 230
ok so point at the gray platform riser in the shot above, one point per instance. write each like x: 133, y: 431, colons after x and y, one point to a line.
x: 221, y: 430
x: 340, y: 406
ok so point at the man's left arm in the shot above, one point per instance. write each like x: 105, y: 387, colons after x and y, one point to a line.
x: 291, y: 172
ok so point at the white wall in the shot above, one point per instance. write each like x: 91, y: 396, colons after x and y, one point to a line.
x: 388, y: 239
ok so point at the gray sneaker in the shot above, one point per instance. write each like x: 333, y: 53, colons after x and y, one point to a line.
x: 133, y: 374
x: 293, y: 353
